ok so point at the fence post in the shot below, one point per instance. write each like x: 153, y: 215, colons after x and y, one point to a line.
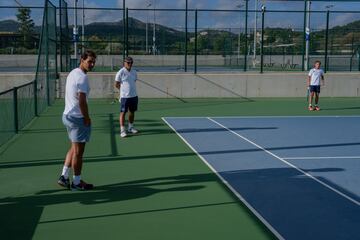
x: 326, y: 39
x: 47, y: 53
x: 186, y: 35
x: 124, y: 30
x: 16, y: 114
x: 263, y: 9
x: 304, y: 40
x: 246, y: 33
x: 195, y: 55
x: 35, y: 98
x: 127, y: 33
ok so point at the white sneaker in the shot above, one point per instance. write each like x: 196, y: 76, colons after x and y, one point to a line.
x: 123, y: 134
x: 133, y: 130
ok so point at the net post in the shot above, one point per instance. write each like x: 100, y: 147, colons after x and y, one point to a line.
x: 246, y: 33
x: 196, y: 30
x: 16, y: 114
x: 263, y: 9
x: 326, y: 40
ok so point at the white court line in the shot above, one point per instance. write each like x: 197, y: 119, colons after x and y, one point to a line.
x: 271, y: 116
x: 267, y: 224
x: 332, y: 157
x: 289, y: 164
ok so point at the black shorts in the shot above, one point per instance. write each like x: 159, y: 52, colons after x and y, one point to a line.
x: 315, y: 88
x: 129, y: 104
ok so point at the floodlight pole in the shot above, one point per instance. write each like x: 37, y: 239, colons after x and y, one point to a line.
x: 83, y: 27
x: 307, y: 35
x: 255, y: 29
x: 75, y: 29
x: 147, y: 29
x: 154, y: 31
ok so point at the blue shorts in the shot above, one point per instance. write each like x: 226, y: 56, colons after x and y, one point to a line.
x: 315, y: 88
x: 129, y: 104
x: 76, y: 129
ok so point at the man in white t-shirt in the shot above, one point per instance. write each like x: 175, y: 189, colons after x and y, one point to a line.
x: 77, y: 121
x: 315, y: 79
x: 125, y: 81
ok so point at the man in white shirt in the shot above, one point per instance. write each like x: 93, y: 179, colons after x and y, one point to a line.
x: 315, y: 79
x: 125, y: 81
x: 77, y: 121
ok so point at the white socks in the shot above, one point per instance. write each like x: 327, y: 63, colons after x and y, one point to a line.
x: 131, y: 125
x: 65, y: 171
x: 122, y: 129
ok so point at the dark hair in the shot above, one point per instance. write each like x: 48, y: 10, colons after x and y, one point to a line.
x: 128, y: 59
x: 317, y: 61
x: 88, y: 53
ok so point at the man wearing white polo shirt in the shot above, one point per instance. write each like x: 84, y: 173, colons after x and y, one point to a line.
x: 315, y: 79
x: 77, y: 121
x: 125, y: 81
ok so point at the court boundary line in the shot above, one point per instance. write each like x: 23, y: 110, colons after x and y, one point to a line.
x: 287, y: 163
x: 330, y: 157
x: 238, y: 195
x: 271, y: 116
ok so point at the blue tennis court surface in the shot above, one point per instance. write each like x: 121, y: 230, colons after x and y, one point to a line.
x: 299, y: 175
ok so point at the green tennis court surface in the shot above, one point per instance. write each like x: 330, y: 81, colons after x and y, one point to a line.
x: 151, y: 186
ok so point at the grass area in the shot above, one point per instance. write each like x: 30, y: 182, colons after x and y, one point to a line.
x: 150, y: 186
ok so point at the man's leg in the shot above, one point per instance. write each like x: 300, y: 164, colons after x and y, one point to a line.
x: 311, y: 100
x: 316, y: 98
x: 78, y: 151
x: 131, y: 117
x: 122, y: 124
x: 64, y: 178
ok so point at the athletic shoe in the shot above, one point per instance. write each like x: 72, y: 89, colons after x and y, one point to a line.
x: 311, y: 108
x: 132, y: 130
x: 64, y: 182
x: 123, y: 134
x: 82, y: 186
x: 317, y: 108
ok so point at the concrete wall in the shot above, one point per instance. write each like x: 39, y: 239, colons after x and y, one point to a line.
x: 184, y: 85
x: 10, y: 80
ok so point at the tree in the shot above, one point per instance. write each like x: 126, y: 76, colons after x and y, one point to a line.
x: 26, y: 28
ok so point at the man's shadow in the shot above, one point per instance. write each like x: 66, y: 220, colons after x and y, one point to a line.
x: 20, y: 215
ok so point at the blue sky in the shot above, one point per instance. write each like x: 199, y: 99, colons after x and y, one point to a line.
x: 206, y: 19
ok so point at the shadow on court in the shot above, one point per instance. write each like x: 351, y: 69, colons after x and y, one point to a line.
x: 296, y: 205
x: 21, y: 215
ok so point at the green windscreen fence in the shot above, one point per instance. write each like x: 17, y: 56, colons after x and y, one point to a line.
x: 19, y: 105
x: 64, y: 37
x: 46, y: 70
x: 6, y: 116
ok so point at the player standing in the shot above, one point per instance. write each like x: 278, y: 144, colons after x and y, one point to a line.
x: 315, y: 79
x: 125, y: 81
x: 77, y: 121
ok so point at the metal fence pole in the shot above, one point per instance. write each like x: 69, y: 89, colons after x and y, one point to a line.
x: 195, y: 54
x: 16, y: 114
x: 127, y: 33
x: 263, y: 9
x: 35, y: 99
x: 124, y: 31
x: 186, y: 34
x: 47, y: 53
x: 327, y: 40
x: 246, y: 33
x: 304, y: 39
